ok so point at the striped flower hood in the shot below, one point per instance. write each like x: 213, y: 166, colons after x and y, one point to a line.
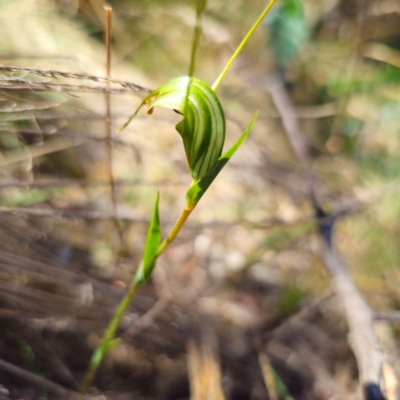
x: 203, y: 126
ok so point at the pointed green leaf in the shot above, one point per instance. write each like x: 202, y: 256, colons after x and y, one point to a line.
x: 97, y: 357
x: 200, y: 186
x: 150, y: 250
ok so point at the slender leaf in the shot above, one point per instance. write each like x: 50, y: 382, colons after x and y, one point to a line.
x: 281, y: 388
x: 97, y: 357
x: 199, y: 187
x: 150, y: 251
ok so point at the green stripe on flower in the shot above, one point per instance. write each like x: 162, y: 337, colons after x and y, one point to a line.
x: 203, y: 126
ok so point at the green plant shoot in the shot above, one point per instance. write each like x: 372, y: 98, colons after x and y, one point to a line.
x: 151, y: 248
x: 203, y: 133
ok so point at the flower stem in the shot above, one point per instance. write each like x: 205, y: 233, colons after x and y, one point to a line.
x: 175, y: 229
x: 241, y: 45
x: 109, y: 334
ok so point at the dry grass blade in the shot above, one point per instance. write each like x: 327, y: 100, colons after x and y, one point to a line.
x: 268, y: 376
x: 88, y: 215
x: 108, y: 139
x: 17, y: 85
x: 204, y: 373
x: 29, y: 285
x: 69, y: 75
x: 33, y: 151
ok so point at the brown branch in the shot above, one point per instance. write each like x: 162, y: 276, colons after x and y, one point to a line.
x: 291, y: 125
x: 357, y: 312
x: 359, y: 317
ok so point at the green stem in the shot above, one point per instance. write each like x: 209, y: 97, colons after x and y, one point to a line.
x: 201, y: 4
x: 113, y: 325
x: 109, y: 334
x: 175, y: 229
x: 241, y: 45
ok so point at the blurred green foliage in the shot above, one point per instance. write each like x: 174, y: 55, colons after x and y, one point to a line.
x: 289, y: 31
x: 291, y: 300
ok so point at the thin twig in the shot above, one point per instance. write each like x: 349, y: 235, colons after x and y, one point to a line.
x: 88, y: 137
x: 26, y: 376
x: 88, y: 215
x: 82, y: 183
x: 389, y: 316
x: 108, y: 142
x: 292, y: 128
x: 108, y: 32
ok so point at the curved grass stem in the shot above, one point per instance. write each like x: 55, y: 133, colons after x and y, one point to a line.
x: 242, y: 44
